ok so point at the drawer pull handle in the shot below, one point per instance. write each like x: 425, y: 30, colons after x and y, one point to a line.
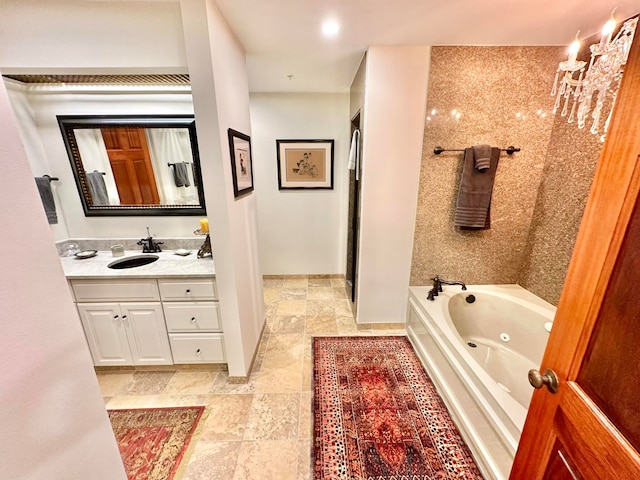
x: 115, y: 317
x: 193, y: 319
x: 198, y: 352
x: 124, y: 317
x: 188, y: 291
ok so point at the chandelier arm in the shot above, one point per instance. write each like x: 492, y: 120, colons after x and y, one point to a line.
x: 601, y: 78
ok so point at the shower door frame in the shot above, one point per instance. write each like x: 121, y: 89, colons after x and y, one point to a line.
x: 354, y: 218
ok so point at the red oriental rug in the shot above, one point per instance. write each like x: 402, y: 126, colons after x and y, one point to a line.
x: 152, y: 441
x: 377, y: 415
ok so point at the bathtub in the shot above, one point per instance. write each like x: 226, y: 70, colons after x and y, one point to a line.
x: 478, y: 350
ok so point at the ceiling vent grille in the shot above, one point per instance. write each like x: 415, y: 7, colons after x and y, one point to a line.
x: 103, y: 79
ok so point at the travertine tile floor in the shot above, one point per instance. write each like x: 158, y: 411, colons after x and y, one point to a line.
x: 261, y: 429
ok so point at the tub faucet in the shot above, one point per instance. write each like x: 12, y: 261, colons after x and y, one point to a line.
x: 437, y: 286
x: 149, y: 245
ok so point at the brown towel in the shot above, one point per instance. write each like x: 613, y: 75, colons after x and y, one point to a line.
x: 46, y: 195
x: 474, y: 194
x: 482, y: 156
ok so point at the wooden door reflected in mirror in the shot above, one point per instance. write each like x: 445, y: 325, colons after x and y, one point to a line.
x: 131, y: 165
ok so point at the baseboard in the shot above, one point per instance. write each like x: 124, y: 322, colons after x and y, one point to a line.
x: 380, y: 326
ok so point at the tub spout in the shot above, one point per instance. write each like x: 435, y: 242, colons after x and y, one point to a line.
x: 437, y: 286
x: 446, y: 282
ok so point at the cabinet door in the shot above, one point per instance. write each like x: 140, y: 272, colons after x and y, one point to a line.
x: 105, y: 332
x: 147, y: 333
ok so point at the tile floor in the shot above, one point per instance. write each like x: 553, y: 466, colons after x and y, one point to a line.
x: 261, y: 429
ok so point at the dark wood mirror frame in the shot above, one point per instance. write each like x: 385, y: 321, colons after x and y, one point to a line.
x: 69, y: 123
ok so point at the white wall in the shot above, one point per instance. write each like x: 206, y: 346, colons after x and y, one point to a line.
x: 221, y: 100
x: 91, y: 36
x: 80, y: 36
x: 53, y: 421
x: 36, y: 109
x: 301, y: 232
x: 107, y: 37
x: 394, y: 106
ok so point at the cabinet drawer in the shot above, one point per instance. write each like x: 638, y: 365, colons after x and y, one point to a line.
x: 188, y: 289
x: 121, y: 290
x: 197, y: 348
x: 192, y: 316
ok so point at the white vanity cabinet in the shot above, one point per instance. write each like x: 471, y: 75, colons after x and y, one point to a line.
x: 193, y: 320
x: 123, y: 321
x: 150, y: 321
x: 126, y: 333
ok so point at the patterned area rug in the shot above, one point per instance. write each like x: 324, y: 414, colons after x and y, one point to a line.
x: 152, y: 441
x: 377, y: 415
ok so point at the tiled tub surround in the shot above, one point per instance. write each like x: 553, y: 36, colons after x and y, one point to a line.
x: 483, y: 382
x: 495, y: 83
x: 539, y: 192
x: 572, y: 156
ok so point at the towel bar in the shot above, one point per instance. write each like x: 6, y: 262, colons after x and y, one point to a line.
x: 510, y: 150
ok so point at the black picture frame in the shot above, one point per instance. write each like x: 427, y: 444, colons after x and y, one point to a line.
x: 241, y: 162
x: 305, y: 164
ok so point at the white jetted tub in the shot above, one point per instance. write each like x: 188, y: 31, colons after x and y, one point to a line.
x: 477, y: 346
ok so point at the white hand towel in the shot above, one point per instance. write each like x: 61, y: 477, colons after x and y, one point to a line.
x: 354, y: 152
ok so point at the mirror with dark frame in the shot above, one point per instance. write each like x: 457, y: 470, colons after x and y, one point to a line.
x: 135, y: 165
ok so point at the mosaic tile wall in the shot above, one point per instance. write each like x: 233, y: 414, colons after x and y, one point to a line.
x: 527, y: 243
x: 568, y: 171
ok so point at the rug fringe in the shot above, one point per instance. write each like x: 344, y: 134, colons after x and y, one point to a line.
x: 193, y: 439
x: 184, y: 461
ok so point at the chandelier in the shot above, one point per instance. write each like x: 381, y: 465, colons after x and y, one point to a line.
x: 595, y: 89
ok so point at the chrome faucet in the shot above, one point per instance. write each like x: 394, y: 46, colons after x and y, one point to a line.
x: 149, y: 245
x: 437, y: 287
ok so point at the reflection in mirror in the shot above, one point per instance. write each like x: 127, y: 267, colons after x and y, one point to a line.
x: 135, y: 165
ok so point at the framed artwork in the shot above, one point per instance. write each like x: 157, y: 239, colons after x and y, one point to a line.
x: 241, y: 162
x: 305, y: 164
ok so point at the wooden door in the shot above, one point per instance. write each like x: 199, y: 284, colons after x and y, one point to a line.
x: 590, y: 429
x: 131, y: 165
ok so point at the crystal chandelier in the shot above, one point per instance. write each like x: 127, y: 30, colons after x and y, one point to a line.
x: 599, y: 82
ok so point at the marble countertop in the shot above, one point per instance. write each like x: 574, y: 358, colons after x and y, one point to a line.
x: 168, y: 265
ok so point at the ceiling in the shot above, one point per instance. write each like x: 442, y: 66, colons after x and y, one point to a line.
x: 287, y: 52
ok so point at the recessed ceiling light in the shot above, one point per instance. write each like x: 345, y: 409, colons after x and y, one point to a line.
x: 330, y: 28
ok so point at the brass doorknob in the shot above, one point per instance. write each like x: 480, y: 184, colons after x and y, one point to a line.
x: 550, y: 379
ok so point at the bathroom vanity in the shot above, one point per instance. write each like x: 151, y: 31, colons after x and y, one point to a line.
x: 163, y: 313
